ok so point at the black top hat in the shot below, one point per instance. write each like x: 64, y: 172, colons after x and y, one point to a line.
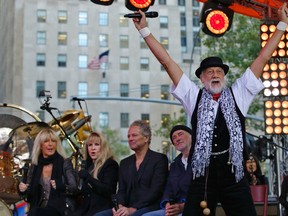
x: 180, y: 127
x: 211, y: 62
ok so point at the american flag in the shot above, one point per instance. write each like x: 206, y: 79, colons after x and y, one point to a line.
x: 95, y: 63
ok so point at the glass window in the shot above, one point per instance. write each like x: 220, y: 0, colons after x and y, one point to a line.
x: 124, y: 63
x: 62, y: 89
x: 103, y: 89
x: 62, y: 38
x: 195, y: 3
x: 145, y: 117
x: 165, y: 42
x: 41, y: 37
x: 144, y: 91
x: 62, y: 60
x: 123, y: 22
x: 196, y: 39
x: 183, y: 41
x: 40, y: 86
x: 165, y: 92
x: 196, y: 18
x: 62, y: 16
x: 143, y: 44
x: 124, y: 41
x: 82, y: 61
x: 83, y: 39
x: 103, y: 19
x: 40, y: 59
x: 162, y: 2
x: 82, y: 88
x: 144, y: 63
x: 103, y: 119
x: 124, y: 118
x: 182, y: 19
x: 164, y: 120
x: 124, y: 90
x: 103, y: 40
x: 181, y: 2
x: 163, y: 22
x: 41, y: 114
x: 83, y: 18
x: 41, y: 16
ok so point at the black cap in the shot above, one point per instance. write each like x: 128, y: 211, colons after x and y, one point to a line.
x: 211, y: 62
x: 180, y: 127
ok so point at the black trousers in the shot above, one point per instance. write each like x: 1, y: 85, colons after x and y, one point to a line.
x: 235, y: 198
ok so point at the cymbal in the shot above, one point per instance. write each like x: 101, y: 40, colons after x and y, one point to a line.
x: 65, y: 120
x: 30, y: 129
x: 75, y: 126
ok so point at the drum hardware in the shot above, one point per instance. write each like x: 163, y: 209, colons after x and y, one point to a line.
x: 65, y: 120
x: 75, y: 126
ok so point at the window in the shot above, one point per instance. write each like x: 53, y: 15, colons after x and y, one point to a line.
x: 103, y: 119
x: 103, y: 19
x: 196, y: 19
x: 62, y: 38
x: 83, y: 18
x: 165, y: 92
x: 82, y: 61
x: 163, y: 22
x: 145, y: 117
x: 124, y: 90
x: 181, y: 2
x: 82, y: 88
x: 61, y: 89
x: 41, y: 114
x: 183, y: 41
x: 103, y: 89
x: 83, y: 39
x: 143, y: 44
x: 195, y: 3
x: 196, y: 39
x: 144, y: 63
x: 162, y: 2
x: 123, y: 22
x: 62, y: 60
x: 40, y: 86
x: 103, y: 40
x: 182, y: 19
x: 124, y: 63
x: 165, y: 42
x: 144, y: 91
x: 124, y: 118
x: 41, y: 16
x: 164, y: 120
x: 40, y: 59
x: 62, y: 16
x: 124, y: 41
x: 41, y: 37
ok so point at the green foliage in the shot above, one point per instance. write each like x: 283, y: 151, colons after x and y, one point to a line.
x: 113, y: 138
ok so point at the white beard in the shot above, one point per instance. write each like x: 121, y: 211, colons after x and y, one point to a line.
x: 215, y: 89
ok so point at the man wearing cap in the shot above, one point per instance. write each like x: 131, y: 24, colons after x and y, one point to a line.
x: 218, y: 124
x: 179, y: 178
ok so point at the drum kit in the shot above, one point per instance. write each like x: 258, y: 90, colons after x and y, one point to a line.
x: 16, y: 143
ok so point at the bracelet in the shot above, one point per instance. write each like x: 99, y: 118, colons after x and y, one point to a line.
x: 282, y: 26
x: 144, y: 32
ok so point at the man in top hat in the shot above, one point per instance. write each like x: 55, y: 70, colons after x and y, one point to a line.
x: 217, y: 117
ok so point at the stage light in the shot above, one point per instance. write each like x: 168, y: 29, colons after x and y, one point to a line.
x: 135, y: 5
x: 275, y: 79
x: 102, y: 2
x: 276, y: 116
x: 216, y: 18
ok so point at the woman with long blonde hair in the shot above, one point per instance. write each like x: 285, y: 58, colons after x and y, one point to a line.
x: 99, y: 177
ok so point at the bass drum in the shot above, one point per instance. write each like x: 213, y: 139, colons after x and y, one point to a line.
x: 4, y: 209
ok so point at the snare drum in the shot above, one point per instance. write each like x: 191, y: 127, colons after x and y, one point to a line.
x: 4, y: 209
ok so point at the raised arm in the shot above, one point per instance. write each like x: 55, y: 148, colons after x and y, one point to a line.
x: 267, y: 51
x: 173, y: 70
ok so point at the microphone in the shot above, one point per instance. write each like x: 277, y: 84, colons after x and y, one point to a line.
x: 25, y: 172
x: 77, y: 99
x: 115, y: 201
x: 151, y: 14
x: 83, y: 165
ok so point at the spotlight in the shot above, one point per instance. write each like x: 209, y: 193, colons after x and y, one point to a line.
x: 102, y: 2
x: 135, y: 5
x: 216, y: 17
x: 276, y: 116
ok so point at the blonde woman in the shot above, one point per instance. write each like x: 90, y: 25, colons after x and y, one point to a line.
x: 51, y: 176
x: 99, y: 177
